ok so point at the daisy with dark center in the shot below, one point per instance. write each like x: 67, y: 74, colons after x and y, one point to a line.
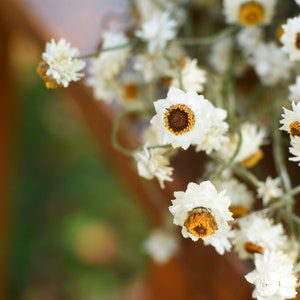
x: 185, y: 119
x: 203, y: 213
x: 249, y: 13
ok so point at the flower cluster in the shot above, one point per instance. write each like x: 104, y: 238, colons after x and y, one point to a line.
x: 227, y: 87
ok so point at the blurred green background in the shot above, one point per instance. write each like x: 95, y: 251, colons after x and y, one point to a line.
x: 76, y: 233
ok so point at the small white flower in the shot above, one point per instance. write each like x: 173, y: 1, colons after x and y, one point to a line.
x: 295, y: 149
x: 253, y: 137
x: 191, y: 77
x: 256, y: 233
x: 298, y: 2
x: 221, y: 54
x: 291, y: 119
x: 271, y: 64
x: 157, y: 31
x: 161, y: 245
x: 109, y: 63
x: 290, y: 38
x: 269, y: 189
x: 62, y: 66
x: 273, y: 277
x: 249, y: 13
x: 294, y: 90
x: 241, y: 197
x: 202, y: 212
x: 248, y: 38
x: 188, y: 118
x: 154, y: 163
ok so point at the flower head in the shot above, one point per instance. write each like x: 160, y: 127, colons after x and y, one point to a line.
x: 249, y: 152
x: 291, y: 120
x: 269, y: 189
x: 273, y: 276
x: 248, y: 12
x: 290, y: 38
x: 154, y: 163
x: 187, y: 118
x: 157, y: 31
x: 203, y: 213
x: 256, y: 234
x: 271, y: 64
x: 161, y: 245
x: 60, y: 64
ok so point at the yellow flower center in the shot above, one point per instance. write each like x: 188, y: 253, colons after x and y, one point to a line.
x: 49, y: 81
x: 253, y: 159
x: 253, y: 248
x: 295, y: 129
x: 200, y: 222
x: 251, y: 13
x: 238, y: 211
x: 179, y: 119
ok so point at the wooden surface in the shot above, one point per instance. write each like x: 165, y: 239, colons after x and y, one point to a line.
x: 198, y: 272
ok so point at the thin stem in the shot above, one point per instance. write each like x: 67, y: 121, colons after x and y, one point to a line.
x: 115, y: 129
x: 206, y: 40
x: 97, y: 52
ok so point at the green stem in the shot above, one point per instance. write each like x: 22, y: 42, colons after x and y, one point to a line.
x: 206, y: 40
x: 97, y: 52
x: 115, y: 129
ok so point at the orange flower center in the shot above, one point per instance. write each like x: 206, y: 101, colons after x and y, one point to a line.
x: 200, y: 222
x: 253, y: 159
x: 251, y: 13
x: 49, y: 81
x: 295, y: 129
x: 253, y: 248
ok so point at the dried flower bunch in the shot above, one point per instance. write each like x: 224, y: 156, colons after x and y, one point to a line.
x: 223, y: 78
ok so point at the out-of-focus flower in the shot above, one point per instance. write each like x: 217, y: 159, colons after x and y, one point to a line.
x: 273, y: 276
x: 157, y: 31
x: 161, y: 245
x: 154, y: 163
x: 269, y: 189
x: 290, y: 38
x: 248, y: 12
x: 60, y: 64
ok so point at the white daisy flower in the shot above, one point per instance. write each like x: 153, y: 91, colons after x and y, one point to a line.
x: 273, y: 277
x: 248, y: 12
x: 269, y: 189
x: 291, y: 120
x: 221, y: 54
x: 60, y: 65
x: 203, y: 213
x: 161, y: 245
x: 294, y: 90
x: 271, y: 64
x: 295, y: 149
x: 157, y: 31
x: 248, y: 38
x: 298, y: 2
x: 187, y: 118
x: 191, y: 77
x: 253, y: 137
x: 256, y: 233
x: 153, y: 163
x: 290, y: 38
